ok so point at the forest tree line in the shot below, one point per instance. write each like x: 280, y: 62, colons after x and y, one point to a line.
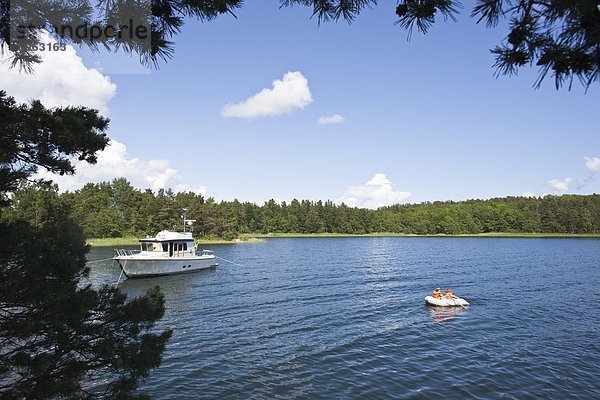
x: 117, y: 209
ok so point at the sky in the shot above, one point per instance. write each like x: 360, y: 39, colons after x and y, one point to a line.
x: 273, y: 105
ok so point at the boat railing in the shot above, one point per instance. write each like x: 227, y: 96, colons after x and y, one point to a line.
x: 126, y: 252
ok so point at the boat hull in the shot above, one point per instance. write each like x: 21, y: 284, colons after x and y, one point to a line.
x: 137, y: 267
x: 456, y: 302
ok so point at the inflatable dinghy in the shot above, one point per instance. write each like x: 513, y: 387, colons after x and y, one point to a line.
x: 454, y: 302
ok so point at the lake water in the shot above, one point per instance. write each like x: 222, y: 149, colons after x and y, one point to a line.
x: 345, y: 318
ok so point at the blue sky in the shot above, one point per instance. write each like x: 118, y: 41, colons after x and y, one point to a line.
x: 427, y: 114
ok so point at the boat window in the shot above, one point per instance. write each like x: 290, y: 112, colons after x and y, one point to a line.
x: 185, y: 246
x: 165, y: 247
x: 147, y: 246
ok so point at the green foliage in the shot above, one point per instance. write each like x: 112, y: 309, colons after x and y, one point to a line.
x: 58, y: 334
x: 332, y: 10
x: 164, y: 18
x: 33, y: 137
x: 227, y: 220
x: 561, y: 37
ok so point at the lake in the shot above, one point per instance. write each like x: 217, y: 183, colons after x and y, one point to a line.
x: 345, y: 318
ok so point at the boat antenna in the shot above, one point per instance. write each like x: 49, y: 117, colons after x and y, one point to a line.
x: 186, y: 221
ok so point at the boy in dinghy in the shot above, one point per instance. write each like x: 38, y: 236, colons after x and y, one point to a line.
x: 437, y: 293
x: 449, y: 294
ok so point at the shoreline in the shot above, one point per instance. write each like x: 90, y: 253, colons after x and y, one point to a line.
x: 259, y: 238
x: 134, y: 241
x: 439, y: 235
x: 390, y: 234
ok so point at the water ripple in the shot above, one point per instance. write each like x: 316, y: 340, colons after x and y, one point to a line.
x: 344, y: 318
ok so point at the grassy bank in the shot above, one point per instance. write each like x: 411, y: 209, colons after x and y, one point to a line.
x: 112, y: 242
x: 385, y: 234
x: 247, y: 239
x: 133, y: 241
x: 116, y: 242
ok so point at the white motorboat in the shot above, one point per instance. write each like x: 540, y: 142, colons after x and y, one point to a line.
x: 166, y: 254
x: 445, y: 302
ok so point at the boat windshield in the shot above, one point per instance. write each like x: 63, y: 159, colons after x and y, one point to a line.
x: 149, y: 246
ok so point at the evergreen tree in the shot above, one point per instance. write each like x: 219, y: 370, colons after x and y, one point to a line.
x: 57, y: 333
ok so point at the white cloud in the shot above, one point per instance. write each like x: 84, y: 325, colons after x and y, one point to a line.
x: 61, y: 79
x: 377, y: 192
x: 286, y: 95
x: 528, y: 194
x: 115, y: 162
x: 592, y: 164
x: 560, y: 186
x: 331, y: 119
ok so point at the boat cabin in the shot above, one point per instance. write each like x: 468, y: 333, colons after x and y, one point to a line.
x: 171, y: 244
